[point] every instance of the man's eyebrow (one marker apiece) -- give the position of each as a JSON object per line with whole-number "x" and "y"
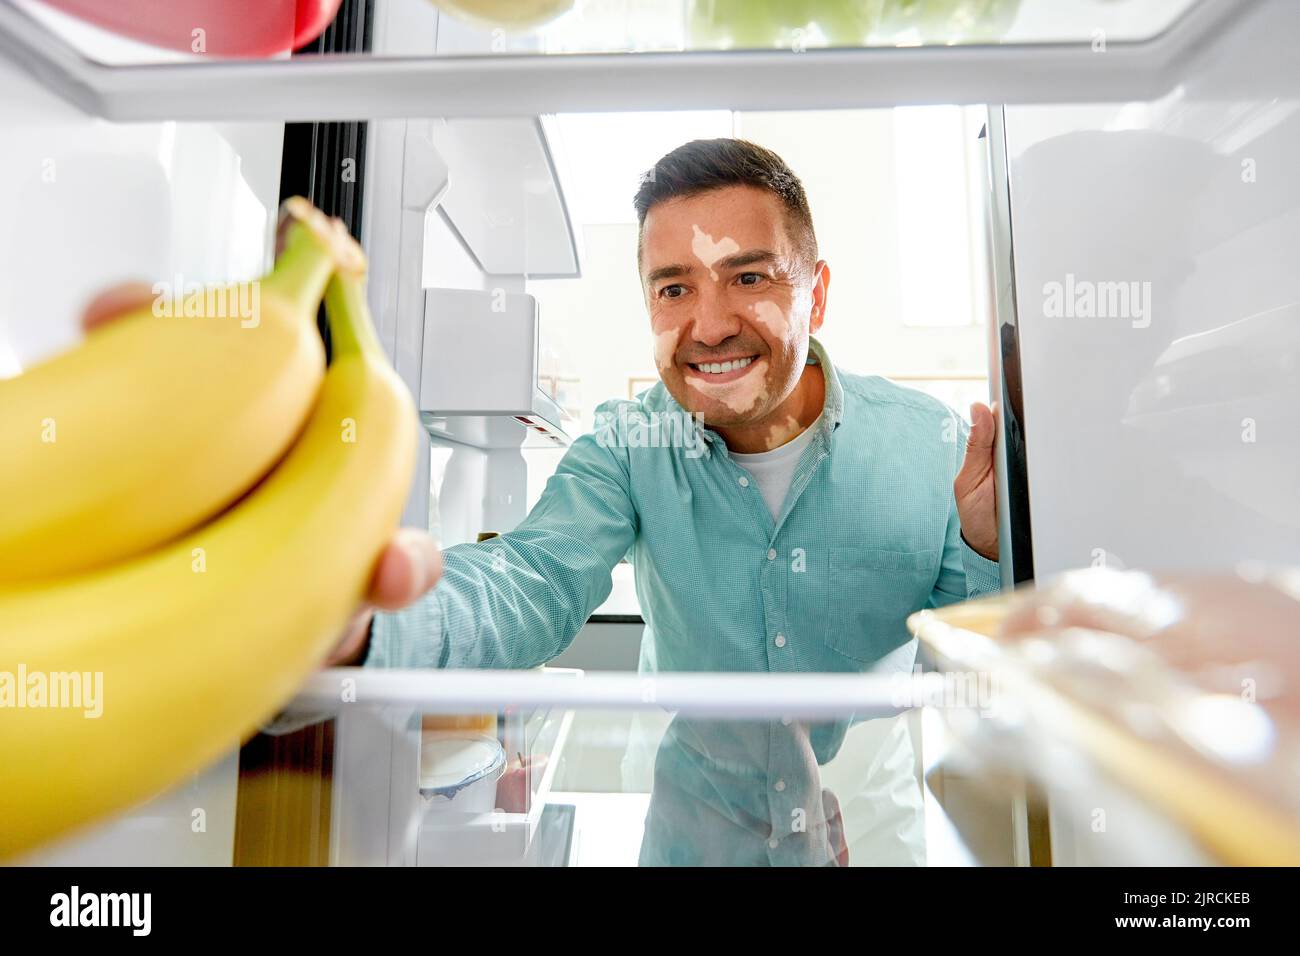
{"x": 674, "y": 271}
{"x": 736, "y": 260}
{"x": 747, "y": 258}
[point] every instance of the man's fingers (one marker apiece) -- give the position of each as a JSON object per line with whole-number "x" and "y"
{"x": 409, "y": 566}
{"x": 352, "y": 648}
{"x": 116, "y": 301}
{"x": 979, "y": 449}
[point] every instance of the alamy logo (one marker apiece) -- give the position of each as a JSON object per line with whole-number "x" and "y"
{"x": 69, "y": 690}
{"x": 635, "y": 429}
{"x": 193, "y": 300}
{"x": 75, "y": 908}
{"x": 1083, "y": 299}
{"x": 952, "y": 690}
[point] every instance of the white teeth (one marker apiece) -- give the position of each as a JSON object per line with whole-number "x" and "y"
{"x": 718, "y": 368}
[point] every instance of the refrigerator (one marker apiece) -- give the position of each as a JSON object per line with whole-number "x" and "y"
{"x": 1138, "y": 226}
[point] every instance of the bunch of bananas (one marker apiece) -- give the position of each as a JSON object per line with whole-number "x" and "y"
{"x": 193, "y": 508}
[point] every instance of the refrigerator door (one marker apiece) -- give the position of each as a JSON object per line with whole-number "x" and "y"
{"x": 1158, "y": 331}
{"x": 1005, "y": 387}
{"x": 1158, "y": 323}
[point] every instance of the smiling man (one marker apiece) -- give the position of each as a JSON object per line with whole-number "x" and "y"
{"x": 805, "y": 513}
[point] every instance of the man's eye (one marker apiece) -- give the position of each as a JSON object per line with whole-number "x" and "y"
{"x": 756, "y": 276}
{"x": 668, "y": 292}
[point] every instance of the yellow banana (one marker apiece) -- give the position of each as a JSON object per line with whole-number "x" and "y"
{"x": 203, "y": 638}
{"x": 158, "y": 422}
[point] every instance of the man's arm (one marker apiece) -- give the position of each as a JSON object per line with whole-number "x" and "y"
{"x": 518, "y": 599}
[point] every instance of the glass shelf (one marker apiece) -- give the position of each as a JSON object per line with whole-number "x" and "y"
{"x": 726, "y": 769}
{"x": 576, "y": 27}
{"x": 727, "y": 695}
{"x": 642, "y": 54}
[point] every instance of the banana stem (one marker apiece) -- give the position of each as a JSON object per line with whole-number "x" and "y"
{"x": 303, "y": 268}
{"x": 351, "y": 330}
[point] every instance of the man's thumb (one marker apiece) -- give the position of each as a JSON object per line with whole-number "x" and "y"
{"x": 982, "y": 430}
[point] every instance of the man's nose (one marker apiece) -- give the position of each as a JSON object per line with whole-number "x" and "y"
{"x": 714, "y": 321}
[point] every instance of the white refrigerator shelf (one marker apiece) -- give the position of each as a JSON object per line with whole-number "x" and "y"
{"x": 364, "y": 87}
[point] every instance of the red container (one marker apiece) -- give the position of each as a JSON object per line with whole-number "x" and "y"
{"x": 230, "y": 28}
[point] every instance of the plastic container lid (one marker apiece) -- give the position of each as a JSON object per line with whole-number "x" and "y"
{"x": 450, "y": 762}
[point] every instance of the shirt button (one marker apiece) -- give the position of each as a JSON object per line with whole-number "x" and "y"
{"x": 744, "y": 482}
{"x": 779, "y": 786}
{"x": 772, "y": 844}
{"x": 771, "y": 554}
{"x": 780, "y": 640}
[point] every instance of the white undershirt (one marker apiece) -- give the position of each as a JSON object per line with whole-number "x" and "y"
{"x": 774, "y": 470}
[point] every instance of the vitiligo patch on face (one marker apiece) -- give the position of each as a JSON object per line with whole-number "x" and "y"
{"x": 708, "y": 251}
{"x": 666, "y": 347}
{"x": 769, "y": 315}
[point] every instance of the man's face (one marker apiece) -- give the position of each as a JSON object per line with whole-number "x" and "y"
{"x": 731, "y": 303}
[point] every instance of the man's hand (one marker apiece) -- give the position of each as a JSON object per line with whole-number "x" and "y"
{"x": 974, "y": 486}
{"x": 408, "y": 567}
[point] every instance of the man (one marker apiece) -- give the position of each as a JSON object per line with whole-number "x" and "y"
{"x": 731, "y": 280}
{"x": 793, "y": 531}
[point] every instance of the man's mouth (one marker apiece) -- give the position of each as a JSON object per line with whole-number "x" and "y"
{"x": 725, "y": 371}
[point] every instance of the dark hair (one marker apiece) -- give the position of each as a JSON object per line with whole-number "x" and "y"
{"x": 705, "y": 164}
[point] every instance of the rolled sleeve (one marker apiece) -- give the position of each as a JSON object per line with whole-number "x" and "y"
{"x": 982, "y": 575}
{"x": 409, "y": 638}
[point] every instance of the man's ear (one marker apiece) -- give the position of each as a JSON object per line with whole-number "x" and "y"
{"x": 821, "y": 286}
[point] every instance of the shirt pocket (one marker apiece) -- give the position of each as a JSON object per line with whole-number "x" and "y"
{"x": 872, "y": 593}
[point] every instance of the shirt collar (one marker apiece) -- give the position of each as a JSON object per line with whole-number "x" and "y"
{"x": 833, "y": 408}
{"x": 832, "y": 404}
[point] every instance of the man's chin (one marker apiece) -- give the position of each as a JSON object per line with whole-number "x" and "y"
{"x": 717, "y": 417}
{"x": 711, "y": 412}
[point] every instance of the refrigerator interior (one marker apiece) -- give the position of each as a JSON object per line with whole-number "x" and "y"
{"x": 1171, "y": 200}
